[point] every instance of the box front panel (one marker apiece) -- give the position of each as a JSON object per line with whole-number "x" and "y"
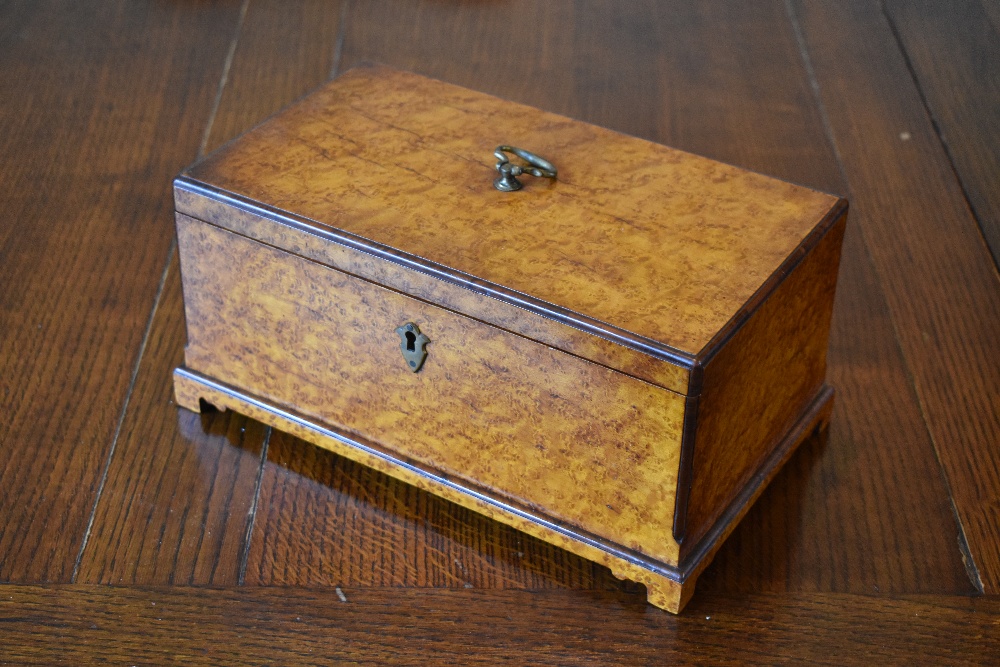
{"x": 311, "y": 244}
{"x": 557, "y": 434}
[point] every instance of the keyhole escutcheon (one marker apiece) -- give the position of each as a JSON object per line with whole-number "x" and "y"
{"x": 413, "y": 345}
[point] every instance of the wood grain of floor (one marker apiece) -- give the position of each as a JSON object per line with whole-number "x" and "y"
{"x": 131, "y": 531}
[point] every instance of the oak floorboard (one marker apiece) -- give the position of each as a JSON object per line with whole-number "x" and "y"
{"x": 868, "y": 510}
{"x": 954, "y": 49}
{"x": 283, "y": 52}
{"x": 940, "y": 282}
{"x": 103, "y": 103}
{"x": 181, "y": 490}
{"x": 251, "y": 625}
{"x": 106, "y": 100}
{"x": 323, "y": 520}
{"x": 863, "y": 511}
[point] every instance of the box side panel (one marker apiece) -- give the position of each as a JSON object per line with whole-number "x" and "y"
{"x": 570, "y": 439}
{"x": 758, "y": 384}
{"x": 315, "y": 243}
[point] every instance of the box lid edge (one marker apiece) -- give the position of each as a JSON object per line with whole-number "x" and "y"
{"x": 185, "y": 184}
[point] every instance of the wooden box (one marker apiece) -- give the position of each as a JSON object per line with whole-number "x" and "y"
{"x": 619, "y": 359}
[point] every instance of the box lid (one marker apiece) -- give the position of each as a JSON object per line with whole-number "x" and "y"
{"x": 638, "y": 256}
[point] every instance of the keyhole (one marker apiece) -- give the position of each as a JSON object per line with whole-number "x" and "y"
{"x": 412, "y": 344}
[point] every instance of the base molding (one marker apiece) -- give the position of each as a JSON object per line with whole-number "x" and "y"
{"x": 668, "y": 587}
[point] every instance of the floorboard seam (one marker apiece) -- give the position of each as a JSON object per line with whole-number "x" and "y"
{"x": 251, "y": 520}
{"x": 156, "y": 302}
{"x": 124, "y": 411}
{"x": 800, "y": 40}
{"x": 230, "y": 56}
{"x": 939, "y": 133}
{"x": 971, "y": 570}
{"x": 963, "y": 545}
{"x": 338, "y": 46}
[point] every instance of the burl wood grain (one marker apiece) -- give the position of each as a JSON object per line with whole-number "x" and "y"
{"x": 101, "y": 112}
{"x": 596, "y": 449}
{"x": 283, "y": 305}
{"x": 759, "y": 383}
{"x": 315, "y": 242}
{"x": 663, "y": 244}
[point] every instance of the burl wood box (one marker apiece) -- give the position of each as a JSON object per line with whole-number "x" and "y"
{"x": 616, "y": 360}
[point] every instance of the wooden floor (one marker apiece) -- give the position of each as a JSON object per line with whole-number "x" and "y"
{"x": 134, "y": 531}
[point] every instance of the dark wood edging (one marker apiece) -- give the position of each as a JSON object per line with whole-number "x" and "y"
{"x": 526, "y": 302}
{"x": 815, "y": 417}
{"x": 770, "y": 285}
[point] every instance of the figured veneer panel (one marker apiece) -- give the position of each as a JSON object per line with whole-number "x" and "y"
{"x": 759, "y": 381}
{"x": 662, "y": 244}
{"x": 580, "y": 442}
{"x": 314, "y": 242}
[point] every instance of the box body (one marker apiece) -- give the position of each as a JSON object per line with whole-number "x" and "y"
{"x": 618, "y": 360}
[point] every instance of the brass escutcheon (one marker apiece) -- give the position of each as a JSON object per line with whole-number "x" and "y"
{"x": 413, "y": 345}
